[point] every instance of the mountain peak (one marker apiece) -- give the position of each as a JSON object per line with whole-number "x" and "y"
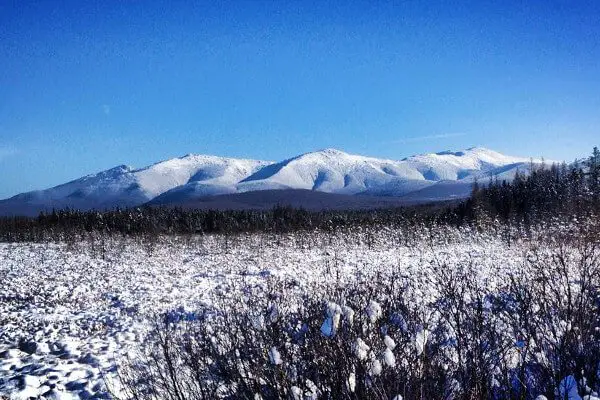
{"x": 329, "y": 151}
{"x": 115, "y": 171}
{"x": 450, "y": 153}
{"x": 471, "y": 150}
{"x": 482, "y": 150}
{"x": 479, "y": 148}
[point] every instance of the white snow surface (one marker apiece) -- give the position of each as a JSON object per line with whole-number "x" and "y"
{"x": 77, "y": 311}
{"x": 430, "y": 176}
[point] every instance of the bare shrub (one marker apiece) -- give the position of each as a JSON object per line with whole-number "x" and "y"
{"x": 449, "y": 333}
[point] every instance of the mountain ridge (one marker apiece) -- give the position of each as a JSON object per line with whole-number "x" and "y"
{"x": 194, "y": 176}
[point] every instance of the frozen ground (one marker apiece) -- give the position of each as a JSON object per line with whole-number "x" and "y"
{"x": 68, "y": 313}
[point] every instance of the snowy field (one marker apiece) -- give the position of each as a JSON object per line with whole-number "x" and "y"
{"x": 69, "y": 313}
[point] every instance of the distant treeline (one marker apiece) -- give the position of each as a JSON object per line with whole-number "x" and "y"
{"x": 547, "y": 192}
{"x": 142, "y": 221}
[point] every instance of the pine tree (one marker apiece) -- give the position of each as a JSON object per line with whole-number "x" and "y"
{"x": 594, "y": 176}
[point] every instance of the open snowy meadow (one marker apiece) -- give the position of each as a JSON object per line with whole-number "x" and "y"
{"x": 75, "y": 317}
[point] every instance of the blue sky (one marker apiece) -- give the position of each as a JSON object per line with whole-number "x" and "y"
{"x": 85, "y": 86}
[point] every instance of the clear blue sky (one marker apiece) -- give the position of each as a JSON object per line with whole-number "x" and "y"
{"x": 87, "y": 85}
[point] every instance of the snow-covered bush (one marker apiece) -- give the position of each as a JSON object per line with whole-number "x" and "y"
{"x": 453, "y": 331}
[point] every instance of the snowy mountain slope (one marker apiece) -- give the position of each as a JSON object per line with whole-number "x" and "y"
{"x": 115, "y": 186}
{"x": 195, "y": 169}
{"x": 124, "y": 187}
{"x": 439, "y": 176}
{"x": 331, "y": 171}
{"x": 334, "y": 171}
{"x": 459, "y": 165}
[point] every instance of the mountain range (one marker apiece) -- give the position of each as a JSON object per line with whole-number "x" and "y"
{"x": 201, "y": 180}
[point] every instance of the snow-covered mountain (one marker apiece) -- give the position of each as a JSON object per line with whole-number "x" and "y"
{"x": 425, "y": 177}
{"x": 124, "y": 186}
{"x": 334, "y": 171}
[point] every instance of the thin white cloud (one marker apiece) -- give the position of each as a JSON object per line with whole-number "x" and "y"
{"x": 429, "y": 137}
{"x": 106, "y": 109}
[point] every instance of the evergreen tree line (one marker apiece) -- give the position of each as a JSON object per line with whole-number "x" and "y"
{"x": 546, "y": 192}
{"x": 558, "y": 191}
{"x": 69, "y": 225}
